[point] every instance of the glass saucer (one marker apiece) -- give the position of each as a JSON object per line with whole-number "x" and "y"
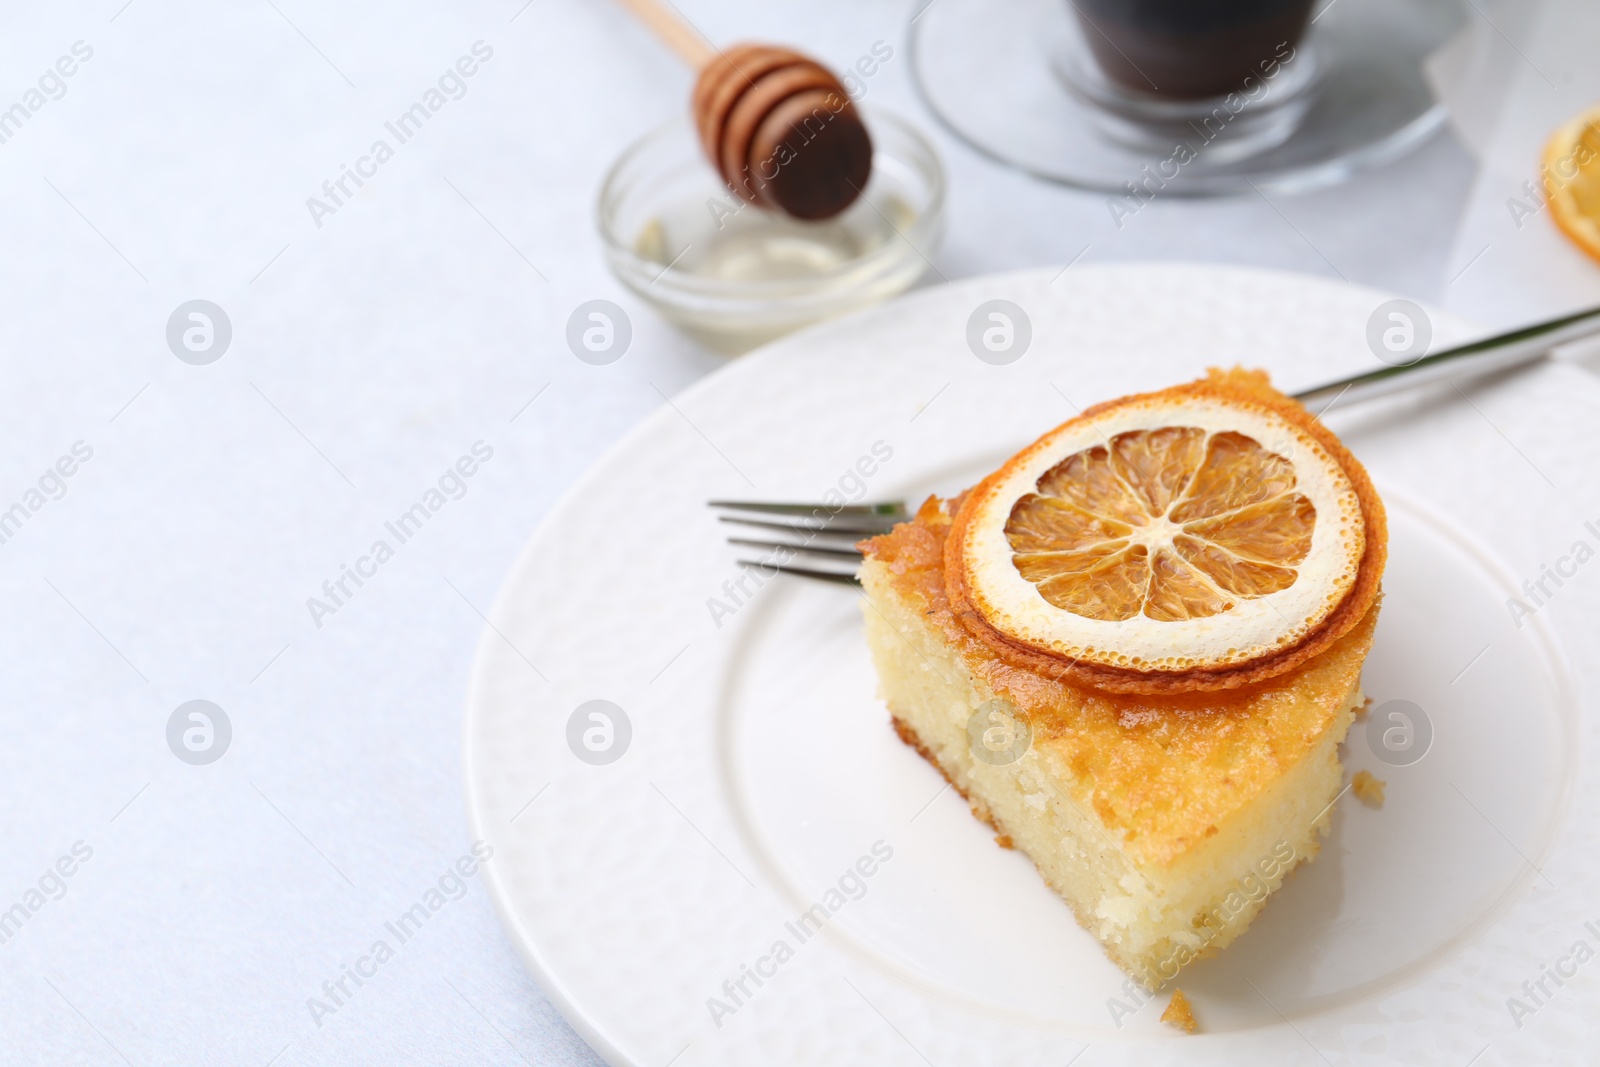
{"x": 1012, "y": 81}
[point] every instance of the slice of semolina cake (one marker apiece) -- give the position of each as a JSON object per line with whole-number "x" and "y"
{"x": 1164, "y": 821}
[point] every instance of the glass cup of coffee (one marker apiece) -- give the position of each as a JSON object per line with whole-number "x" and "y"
{"x": 1228, "y": 77}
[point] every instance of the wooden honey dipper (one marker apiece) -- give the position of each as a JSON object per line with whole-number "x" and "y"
{"x": 778, "y": 127}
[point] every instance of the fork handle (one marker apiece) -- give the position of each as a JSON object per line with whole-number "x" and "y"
{"x": 1501, "y": 352}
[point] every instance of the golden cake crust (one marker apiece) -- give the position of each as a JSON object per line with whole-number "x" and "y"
{"x": 1166, "y": 769}
{"x": 1238, "y": 384}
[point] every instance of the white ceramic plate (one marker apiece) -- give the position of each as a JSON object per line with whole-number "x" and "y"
{"x": 757, "y": 774}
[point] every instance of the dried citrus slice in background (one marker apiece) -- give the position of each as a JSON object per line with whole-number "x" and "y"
{"x": 1572, "y": 180}
{"x": 1202, "y": 537}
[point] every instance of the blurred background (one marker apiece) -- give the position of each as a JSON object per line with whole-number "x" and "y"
{"x": 361, "y": 348}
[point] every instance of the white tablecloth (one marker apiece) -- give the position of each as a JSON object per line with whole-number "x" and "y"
{"x": 211, "y": 911}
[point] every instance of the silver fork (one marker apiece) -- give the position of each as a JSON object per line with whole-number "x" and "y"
{"x": 824, "y": 537}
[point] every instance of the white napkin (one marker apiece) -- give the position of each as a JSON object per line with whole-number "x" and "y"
{"x": 1517, "y": 71}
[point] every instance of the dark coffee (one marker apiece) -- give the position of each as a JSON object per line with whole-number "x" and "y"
{"x": 1186, "y": 49}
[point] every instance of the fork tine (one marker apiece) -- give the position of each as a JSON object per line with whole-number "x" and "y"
{"x": 816, "y": 550}
{"x": 829, "y": 532}
{"x": 895, "y": 508}
{"x": 854, "y": 525}
{"x": 843, "y": 577}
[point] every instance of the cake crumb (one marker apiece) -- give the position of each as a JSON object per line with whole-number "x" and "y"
{"x": 1361, "y": 711}
{"x": 1368, "y": 789}
{"x": 1004, "y": 841}
{"x": 1179, "y": 1013}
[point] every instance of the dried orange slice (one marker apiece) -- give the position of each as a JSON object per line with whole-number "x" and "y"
{"x": 1572, "y": 180}
{"x": 1203, "y": 537}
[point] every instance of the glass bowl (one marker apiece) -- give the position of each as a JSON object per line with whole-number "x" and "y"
{"x": 735, "y": 275}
